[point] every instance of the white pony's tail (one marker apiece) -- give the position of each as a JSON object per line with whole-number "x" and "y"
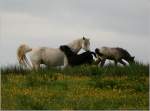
{"x": 21, "y": 54}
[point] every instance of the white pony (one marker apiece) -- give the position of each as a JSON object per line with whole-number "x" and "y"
{"x": 49, "y": 56}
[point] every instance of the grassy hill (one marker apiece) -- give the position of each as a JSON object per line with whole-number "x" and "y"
{"x": 82, "y": 87}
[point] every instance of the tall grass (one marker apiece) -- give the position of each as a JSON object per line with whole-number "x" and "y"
{"x": 133, "y": 69}
{"x": 80, "y": 87}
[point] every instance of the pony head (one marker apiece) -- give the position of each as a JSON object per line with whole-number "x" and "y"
{"x": 82, "y": 43}
{"x": 131, "y": 59}
{"x": 85, "y": 44}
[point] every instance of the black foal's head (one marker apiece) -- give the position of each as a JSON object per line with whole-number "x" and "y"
{"x": 67, "y": 50}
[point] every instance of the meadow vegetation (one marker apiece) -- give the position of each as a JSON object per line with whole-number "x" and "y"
{"x": 80, "y": 87}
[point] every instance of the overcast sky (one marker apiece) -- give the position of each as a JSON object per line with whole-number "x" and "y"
{"x": 122, "y": 23}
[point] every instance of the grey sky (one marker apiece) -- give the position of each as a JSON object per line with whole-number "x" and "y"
{"x": 123, "y": 23}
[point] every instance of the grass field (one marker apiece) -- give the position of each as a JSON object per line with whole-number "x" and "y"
{"x": 82, "y": 87}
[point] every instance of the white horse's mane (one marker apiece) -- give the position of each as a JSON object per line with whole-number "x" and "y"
{"x": 74, "y": 44}
{"x": 77, "y": 44}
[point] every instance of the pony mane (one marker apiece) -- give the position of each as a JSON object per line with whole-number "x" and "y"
{"x": 76, "y": 45}
{"x": 67, "y": 50}
{"x": 74, "y": 42}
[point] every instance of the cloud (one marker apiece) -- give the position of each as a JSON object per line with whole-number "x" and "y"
{"x": 122, "y": 16}
{"x": 123, "y": 23}
{"x": 23, "y": 25}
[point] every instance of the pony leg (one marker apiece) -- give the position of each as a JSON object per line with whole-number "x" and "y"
{"x": 27, "y": 62}
{"x": 23, "y": 63}
{"x": 65, "y": 62}
{"x": 103, "y": 62}
{"x": 122, "y": 62}
{"x": 36, "y": 66}
{"x": 115, "y": 62}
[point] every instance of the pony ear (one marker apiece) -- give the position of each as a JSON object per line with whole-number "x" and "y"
{"x": 83, "y": 38}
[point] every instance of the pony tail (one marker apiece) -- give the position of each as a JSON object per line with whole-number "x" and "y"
{"x": 21, "y": 51}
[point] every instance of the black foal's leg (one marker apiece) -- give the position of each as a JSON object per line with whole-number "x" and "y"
{"x": 90, "y": 62}
{"x": 103, "y": 62}
{"x": 122, "y": 62}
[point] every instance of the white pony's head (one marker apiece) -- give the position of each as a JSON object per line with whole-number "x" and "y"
{"x": 85, "y": 44}
{"x": 82, "y": 43}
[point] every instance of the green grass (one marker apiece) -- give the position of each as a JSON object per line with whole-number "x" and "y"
{"x": 81, "y": 87}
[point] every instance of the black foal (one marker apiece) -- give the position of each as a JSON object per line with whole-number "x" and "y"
{"x": 77, "y": 59}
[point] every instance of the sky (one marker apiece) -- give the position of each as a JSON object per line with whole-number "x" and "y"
{"x": 51, "y": 23}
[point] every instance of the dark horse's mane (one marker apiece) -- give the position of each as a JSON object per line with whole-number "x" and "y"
{"x": 124, "y": 52}
{"x": 67, "y": 50}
